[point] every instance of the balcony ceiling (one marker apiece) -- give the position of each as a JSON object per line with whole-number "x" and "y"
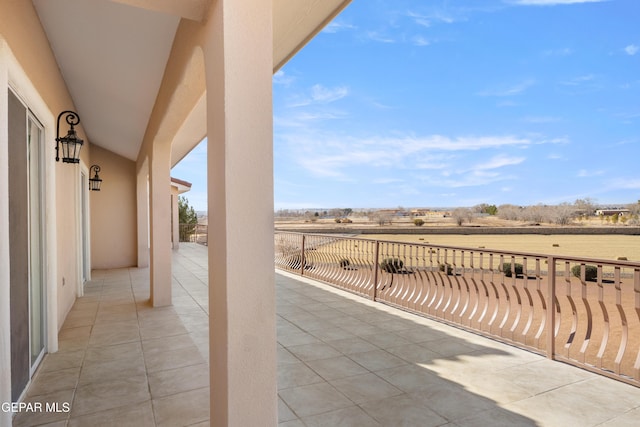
{"x": 112, "y": 55}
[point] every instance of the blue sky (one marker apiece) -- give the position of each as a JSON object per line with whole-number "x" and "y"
{"x": 454, "y": 103}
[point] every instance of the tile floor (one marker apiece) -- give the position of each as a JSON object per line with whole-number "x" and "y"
{"x": 342, "y": 361}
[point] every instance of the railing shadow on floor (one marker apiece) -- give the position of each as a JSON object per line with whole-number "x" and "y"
{"x": 436, "y": 374}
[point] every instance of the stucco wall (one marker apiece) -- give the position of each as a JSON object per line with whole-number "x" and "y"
{"x": 41, "y": 86}
{"x": 113, "y": 212}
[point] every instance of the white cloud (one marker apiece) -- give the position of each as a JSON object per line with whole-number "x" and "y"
{"x": 576, "y": 81}
{"x": 420, "y": 41}
{"x": 325, "y": 95}
{"x": 558, "y": 52}
{"x": 498, "y": 162}
{"x": 303, "y": 119}
{"x": 336, "y": 26}
{"x": 632, "y": 49}
{"x": 376, "y": 36}
{"x": 387, "y": 181}
{"x": 510, "y": 90}
{"x": 336, "y": 156}
{"x": 318, "y": 95}
{"x": 584, "y": 173}
{"x": 541, "y": 119}
{"x": 280, "y": 78}
{"x": 436, "y": 15}
{"x": 422, "y": 20}
{"x": 551, "y": 2}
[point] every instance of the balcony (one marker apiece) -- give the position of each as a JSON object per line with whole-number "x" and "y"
{"x": 342, "y": 360}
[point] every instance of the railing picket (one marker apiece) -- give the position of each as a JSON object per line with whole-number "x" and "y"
{"x": 623, "y": 320}
{"x": 551, "y": 307}
{"x": 636, "y": 292}
{"x": 605, "y": 319}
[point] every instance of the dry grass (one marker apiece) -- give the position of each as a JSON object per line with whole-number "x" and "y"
{"x": 590, "y": 246}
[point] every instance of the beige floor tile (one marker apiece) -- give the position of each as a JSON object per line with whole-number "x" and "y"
{"x": 284, "y": 413}
{"x": 336, "y": 367}
{"x": 313, "y": 351}
{"x": 57, "y": 361}
{"x": 55, "y": 424}
{"x": 164, "y": 328}
{"x": 420, "y": 334}
{"x": 171, "y": 359}
{"x": 296, "y": 338}
{"x": 110, "y": 317}
{"x": 165, "y": 383}
{"x": 493, "y": 387}
{"x": 386, "y": 340}
{"x": 163, "y": 317}
{"x": 296, "y": 374}
{"x": 77, "y": 332}
{"x": 314, "y": 399}
{"x": 414, "y": 353}
{"x": 50, "y": 381}
{"x": 113, "y": 369}
{"x": 586, "y": 403}
{"x": 113, "y": 352}
{"x": 332, "y": 334}
{"x": 411, "y": 378}
{"x": 629, "y": 419}
{"x": 377, "y": 360}
{"x": 72, "y": 344}
{"x": 347, "y": 417}
{"x": 364, "y": 388}
{"x": 85, "y": 304}
{"x": 160, "y": 345}
{"x": 549, "y": 375}
{"x": 286, "y": 357}
{"x": 182, "y": 409}
{"x": 79, "y": 319}
{"x": 104, "y": 395}
{"x": 139, "y": 415}
{"x": 453, "y": 401}
{"x": 114, "y": 333}
{"x": 403, "y": 411}
{"x": 499, "y": 417}
{"x": 352, "y": 345}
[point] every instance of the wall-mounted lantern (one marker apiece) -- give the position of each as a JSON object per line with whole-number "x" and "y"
{"x": 70, "y": 144}
{"x": 95, "y": 182}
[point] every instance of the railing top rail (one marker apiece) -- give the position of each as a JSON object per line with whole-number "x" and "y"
{"x": 582, "y": 260}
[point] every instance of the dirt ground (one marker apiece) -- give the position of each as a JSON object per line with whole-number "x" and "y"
{"x": 429, "y": 221}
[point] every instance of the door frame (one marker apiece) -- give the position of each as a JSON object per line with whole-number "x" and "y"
{"x": 84, "y": 228}
{"x": 41, "y": 214}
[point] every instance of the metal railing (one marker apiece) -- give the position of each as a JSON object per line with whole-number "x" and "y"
{"x": 194, "y": 233}
{"x": 585, "y": 312}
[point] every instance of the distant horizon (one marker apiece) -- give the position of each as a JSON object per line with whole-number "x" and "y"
{"x": 482, "y": 101}
{"x": 434, "y": 208}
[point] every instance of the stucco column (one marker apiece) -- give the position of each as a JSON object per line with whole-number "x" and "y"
{"x": 238, "y": 69}
{"x": 160, "y": 224}
{"x": 5, "y": 320}
{"x": 175, "y": 219}
{"x": 142, "y": 201}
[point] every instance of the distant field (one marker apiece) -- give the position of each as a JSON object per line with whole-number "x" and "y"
{"x": 590, "y": 246}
